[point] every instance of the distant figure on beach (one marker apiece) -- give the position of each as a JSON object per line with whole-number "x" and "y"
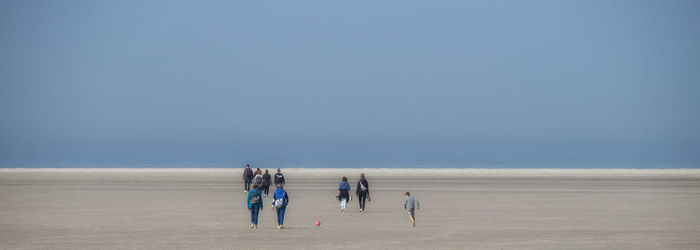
{"x": 280, "y": 204}
{"x": 266, "y": 183}
{"x": 254, "y": 205}
{"x": 343, "y": 194}
{"x": 411, "y": 204}
{"x": 247, "y": 177}
{"x": 279, "y": 178}
{"x": 362, "y": 191}
{"x": 257, "y": 179}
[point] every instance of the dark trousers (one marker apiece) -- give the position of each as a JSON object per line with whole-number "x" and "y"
{"x": 246, "y": 185}
{"x": 266, "y": 189}
{"x": 254, "y": 215}
{"x": 361, "y": 198}
{"x": 280, "y": 215}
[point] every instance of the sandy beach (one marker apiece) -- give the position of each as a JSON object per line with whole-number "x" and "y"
{"x": 460, "y": 209}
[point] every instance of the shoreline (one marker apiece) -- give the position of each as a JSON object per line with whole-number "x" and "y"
{"x": 466, "y": 172}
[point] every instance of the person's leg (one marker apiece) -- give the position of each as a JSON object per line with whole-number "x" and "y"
{"x": 364, "y": 201}
{"x": 343, "y": 204}
{"x": 252, "y": 217}
{"x": 254, "y": 213}
{"x": 280, "y": 215}
{"x": 361, "y": 199}
{"x": 277, "y": 211}
{"x": 413, "y": 217}
{"x": 247, "y": 185}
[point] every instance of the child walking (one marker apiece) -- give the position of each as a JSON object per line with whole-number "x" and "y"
{"x": 411, "y": 204}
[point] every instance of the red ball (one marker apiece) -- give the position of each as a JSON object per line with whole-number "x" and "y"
{"x": 318, "y": 223}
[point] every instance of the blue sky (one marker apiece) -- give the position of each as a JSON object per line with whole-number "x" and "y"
{"x": 301, "y": 82}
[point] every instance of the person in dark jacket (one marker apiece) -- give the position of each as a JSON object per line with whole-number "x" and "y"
{"x": 254, "y": 205}
{"x": 266, "y": 183}
{"x": 281, "y": 195}
{"x": 279, "y": 178}
{"x": 247, "y": 177}
{"x": 362, "y": 191}
{"x": 343, "y": 194}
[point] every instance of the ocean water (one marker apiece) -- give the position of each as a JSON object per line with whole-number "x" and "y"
{"x": 133, "y": 163}
{"x": 359, "y": 157}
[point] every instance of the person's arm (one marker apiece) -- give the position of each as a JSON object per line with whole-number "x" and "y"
{"x": 261, "y": 203}
{"x": 248, "y": 200}
{"x": 367, "y": 186}
{"x": 272, "y": 205}
{"x": 417, "y": 204}
{"x": 405, "y": 203}
{"x": 286, "y": 197}
{"x": 357, "y": 190}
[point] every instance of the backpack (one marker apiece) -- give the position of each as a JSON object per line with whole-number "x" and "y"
{"x": 258, "y": 180}
{"x": 280, "y": 202}
{"x": 362, "y": 186}
{"x": 255, "y": 199}
{"x": 248, "y": 173}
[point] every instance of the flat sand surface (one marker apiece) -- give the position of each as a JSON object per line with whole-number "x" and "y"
{"x": 460, "y": 209}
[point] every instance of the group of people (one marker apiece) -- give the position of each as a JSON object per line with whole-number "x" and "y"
{"x": 259, "y": 179}
{"x": 362, "y": 192}
{"x": 261, "y": 187}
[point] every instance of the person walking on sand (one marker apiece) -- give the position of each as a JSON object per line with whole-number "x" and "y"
{"x": 343, "y": 194}
{"x": 266, "y": 183}
{"x": 247, "y": 177}
{"x": 362, "y": 191}
{"x": 254, "y": 206}
{"x": 279, "y": 178}
{"x": 280, "y": 204}
{"x": 411, "y": 204}
{"x": 257, "y": 179}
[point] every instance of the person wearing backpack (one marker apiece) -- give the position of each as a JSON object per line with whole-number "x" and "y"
{"x": 279, "y": 178}
{"x": 247, "y": 177}
{"x": 280, "y": 204}
{"x": 362, "y": 191}
{"x": 257, "y": 180}
{"x": 266, "y": 183}
{"x": 254, "y": 206}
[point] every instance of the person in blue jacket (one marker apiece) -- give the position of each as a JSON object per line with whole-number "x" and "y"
{"x": 254, "y": 205}
{"x": 280, "y": 204}
{"x": 343, "y": 194}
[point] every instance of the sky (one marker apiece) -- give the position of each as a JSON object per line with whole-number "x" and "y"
{"x": 594, "y": 83}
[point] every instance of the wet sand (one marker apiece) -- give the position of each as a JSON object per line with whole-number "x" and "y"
{"x": 482, "y": 209}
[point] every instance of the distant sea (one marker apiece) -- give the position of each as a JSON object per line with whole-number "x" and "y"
{"x": 275, "y": 164}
